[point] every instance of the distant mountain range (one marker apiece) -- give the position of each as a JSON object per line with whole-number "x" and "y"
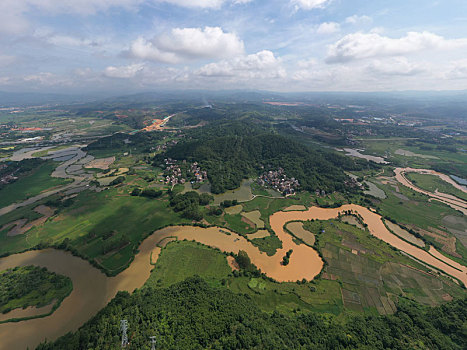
{"x": 437, "y": 104}
{"x": 26, "y": 99}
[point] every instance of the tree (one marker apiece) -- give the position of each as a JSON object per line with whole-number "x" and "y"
{"x": 205, "y": 198}
{"x": 136, "y": 191}
{"x": 117, "y": 181}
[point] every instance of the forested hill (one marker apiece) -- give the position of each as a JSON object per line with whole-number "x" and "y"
{"x": 230, "y": 158}
{"x": 192, "y": 315}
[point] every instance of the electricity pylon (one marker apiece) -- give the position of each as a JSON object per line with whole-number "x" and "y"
{"x": 124, "y": 329}
{"x": 153, "y": 342}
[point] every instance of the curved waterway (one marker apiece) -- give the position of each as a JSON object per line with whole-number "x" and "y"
{"x": 62, "y": 171}
{"x": 452, "y": 201}
{"x": 93, "y": 290}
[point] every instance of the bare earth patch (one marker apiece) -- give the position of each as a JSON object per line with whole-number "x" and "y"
{"x": 164, "y": 241}
{"x": 405, "y": 235}
{"x": 297, "y": 229}
{"x": 122, "y": 171}
{"x": 447, "y": 297}
{"x": 233, "y": 263}
{"x": 237, "y": 209}
{"x": 15, "y": 227}
{"x": 248, "y": 222}
{"x": 295, "y": 207}
{"x": 259, "y": 234}
{"x": 101, "y": 163}
{"x": 351, "y": 220}
{"x": 255, "y": 217}
{"x": 406, "y": 153}
{"x": 22, "y": 226}
{"x": 448, "y": 242}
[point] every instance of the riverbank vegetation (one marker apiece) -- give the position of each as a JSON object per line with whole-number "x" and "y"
{"x": 26, "y": 286}
{"x": 182, "y": 259}
{"x": 365, "y": 268}
{"x": 436, "y": 223}
{"x": 193, "y": 315}
{"x": 432, "y": 183}
{"x": 33, "y": 177}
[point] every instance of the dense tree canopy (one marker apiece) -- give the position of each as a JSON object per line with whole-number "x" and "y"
{"x": 192, "y": 315}
{"x": 230, "y": 158}
{"x": 31, "y": 286}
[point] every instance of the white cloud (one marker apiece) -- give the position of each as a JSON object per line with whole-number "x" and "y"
{"x": 5, "y": 80}
{"x": 457, "y": 70}
{"x": 360, "y": 45}
{"x": 83, "y": 7}
{"x": 395, "y": 66}
{"x": 328, "y": 28}
{"x": 64, "y": 40}
{"x": 47, "y": 79}
{"x": 206, "y": 4}
{"x": 259, "y": 65}
{"x": 146, "y": 50}
{"x": 355, "y": 19}
{"x": 50, "y": 37}
{"x": 13, "y": 12}
{"x": 188, "y": 43}
{"x": 310, "y": 4}
{"x": 306, "y": 63}
{"x": 123, "y": 72}
{"x": 11, "y": 16}
{"x": 6, "y": 60}
{"x": 196, "y": 3}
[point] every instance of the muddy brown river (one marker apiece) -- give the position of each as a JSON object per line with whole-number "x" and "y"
{"x": 93, "y": 290}
{"x": 452, "y": 201}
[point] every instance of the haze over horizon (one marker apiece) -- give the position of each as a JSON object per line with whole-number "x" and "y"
{"x": 126, "y": 46}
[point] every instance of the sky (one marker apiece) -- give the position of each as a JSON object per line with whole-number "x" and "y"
{"x": 87, "y": 46}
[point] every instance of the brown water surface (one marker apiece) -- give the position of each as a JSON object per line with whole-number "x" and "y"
{"x": 30, "y": 311}
{"x": 92, "y": 290}
{"x": 452, "y": 201}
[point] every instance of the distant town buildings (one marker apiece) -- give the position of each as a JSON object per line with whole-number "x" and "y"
{"x": 176, "y": 173}
{"x": 278, "y": 180}
{"x": 166, "y": 145}
{"x": 6, "y": 178}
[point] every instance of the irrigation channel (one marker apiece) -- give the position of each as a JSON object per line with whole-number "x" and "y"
{"x": 93, "y": 290}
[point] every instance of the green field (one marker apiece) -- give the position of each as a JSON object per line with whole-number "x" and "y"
{"x": 31, "y": 185}
{"x": 269, "y": 244}
{"x": 182, "y": 259}
{"x": 408, "y": 207}
{"x": 372, "y": 274}
{"x": 414, "y": 210}
{"x": 432, "y": 156}
{"x": 96, "y": 221}
{"x": 26, "y": 286}
{"x": 433, "y": 182}
{"x": 362, "y": 282}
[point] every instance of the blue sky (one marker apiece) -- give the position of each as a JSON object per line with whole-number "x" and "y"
{"x": 282, "y": 45}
